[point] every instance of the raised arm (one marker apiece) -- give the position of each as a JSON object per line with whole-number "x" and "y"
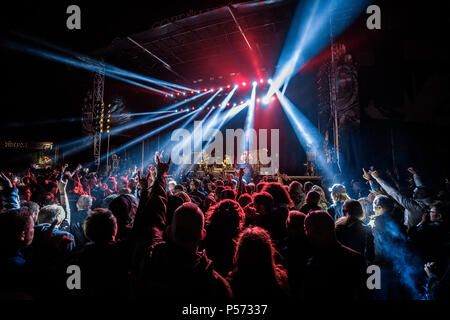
{"x": 240, "y": 187}
{"x": 150, "y": 219}
{"x": 10, "y": 194}
{"x": 406, "y": 202}
{"x": 368, "y": 177}
{"x": 417, "y": 179}
{"x": 62, "y": 185}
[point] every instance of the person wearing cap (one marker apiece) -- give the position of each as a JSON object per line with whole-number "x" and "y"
{"x": 171, "y": 187}
{"x": 416, "y": 206}
{"x": 338, "y": 195}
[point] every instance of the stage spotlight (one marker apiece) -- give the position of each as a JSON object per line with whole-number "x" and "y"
{"x": 236, "y": 86}
{"x": 265, "y": 100}
{"x": 269, "y": 81}
{"x": 244, "y": 84}
{"x": 241, "y": 102}
{"x": 273, "y": 98}
{"x": 176, "y": 110}
{"x": 254, "y": 83}
{"x": 228, "y": 86}
{"x": 171, "y": 95}
{"x": 193, "y": 108}
{"x": 261, "y": 80}
{"x": 184, "y": 93}
{"x": 234, "y": 104}
{"x": 208, "y": 108}
{"x": 258, "y": 100}
{"x": 205, "y": 89}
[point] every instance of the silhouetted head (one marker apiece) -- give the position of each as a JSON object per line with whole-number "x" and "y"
{"x": 313, "y": 198}
{"x": 187, "y": 227}
{"x": 353, "y": 209}
{"x": 254, "y": 252}
{"x": 382, "y": 204}
{"x": 16, "y": 228}
{"x": 100, "y": 226}
{"x": 263, "y": 202}
{"x": 319, "y": 229}
{"x": 225, "y": 219}
{"x": 245, "y": 199}
{"x": 295, "y": 224}
{"x": 279, "y": 194}
{"x": 307, "y": 186}
{"x": 124, "y": 209}
{"x": 227, "y": 193}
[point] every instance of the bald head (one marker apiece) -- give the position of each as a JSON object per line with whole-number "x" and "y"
{"x": 187, "y": 225}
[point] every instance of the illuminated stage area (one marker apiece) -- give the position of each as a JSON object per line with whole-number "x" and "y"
{"x": 266, "y": 149}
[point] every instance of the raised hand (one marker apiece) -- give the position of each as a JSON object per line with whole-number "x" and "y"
{"x": 366, "y": 175}
{"x": 374, "y": 174}
{"x": 412, "y": 170}
{"x": 162, "y": 167}
{"x": 5, "y": 182}
{"x": 430, "y": 268}
{"x": 240, "y": 173}
{"x": 144, "y": 181}
{"x": 62, "y": 185}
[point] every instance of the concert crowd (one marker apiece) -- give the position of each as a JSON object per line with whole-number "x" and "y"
{"x": 139, "y": 235}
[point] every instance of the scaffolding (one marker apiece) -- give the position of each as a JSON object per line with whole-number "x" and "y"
{"x": 97, "y": 105}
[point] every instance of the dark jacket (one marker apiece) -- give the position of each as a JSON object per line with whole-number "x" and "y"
{"x": 335, "y": 210}
{"x": 10, "y": 199}
{"x": 15, "y": 276}
{"x": 336, "y": 273}
{"x": 76, "y": 226}
{"x": 357, "y": 236}
{"x": 104, "y": 270}
{"x": 46, "y": 261}
{"x": 163, "y": 269}
{"x": 307, "y": 207}
{"x": 221, "y": 251}
{"x": 275, "y": 223}
{"x": 432, "y": 240}
{"x": 258, "y": 285}
{"x": 171, "y": 271}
